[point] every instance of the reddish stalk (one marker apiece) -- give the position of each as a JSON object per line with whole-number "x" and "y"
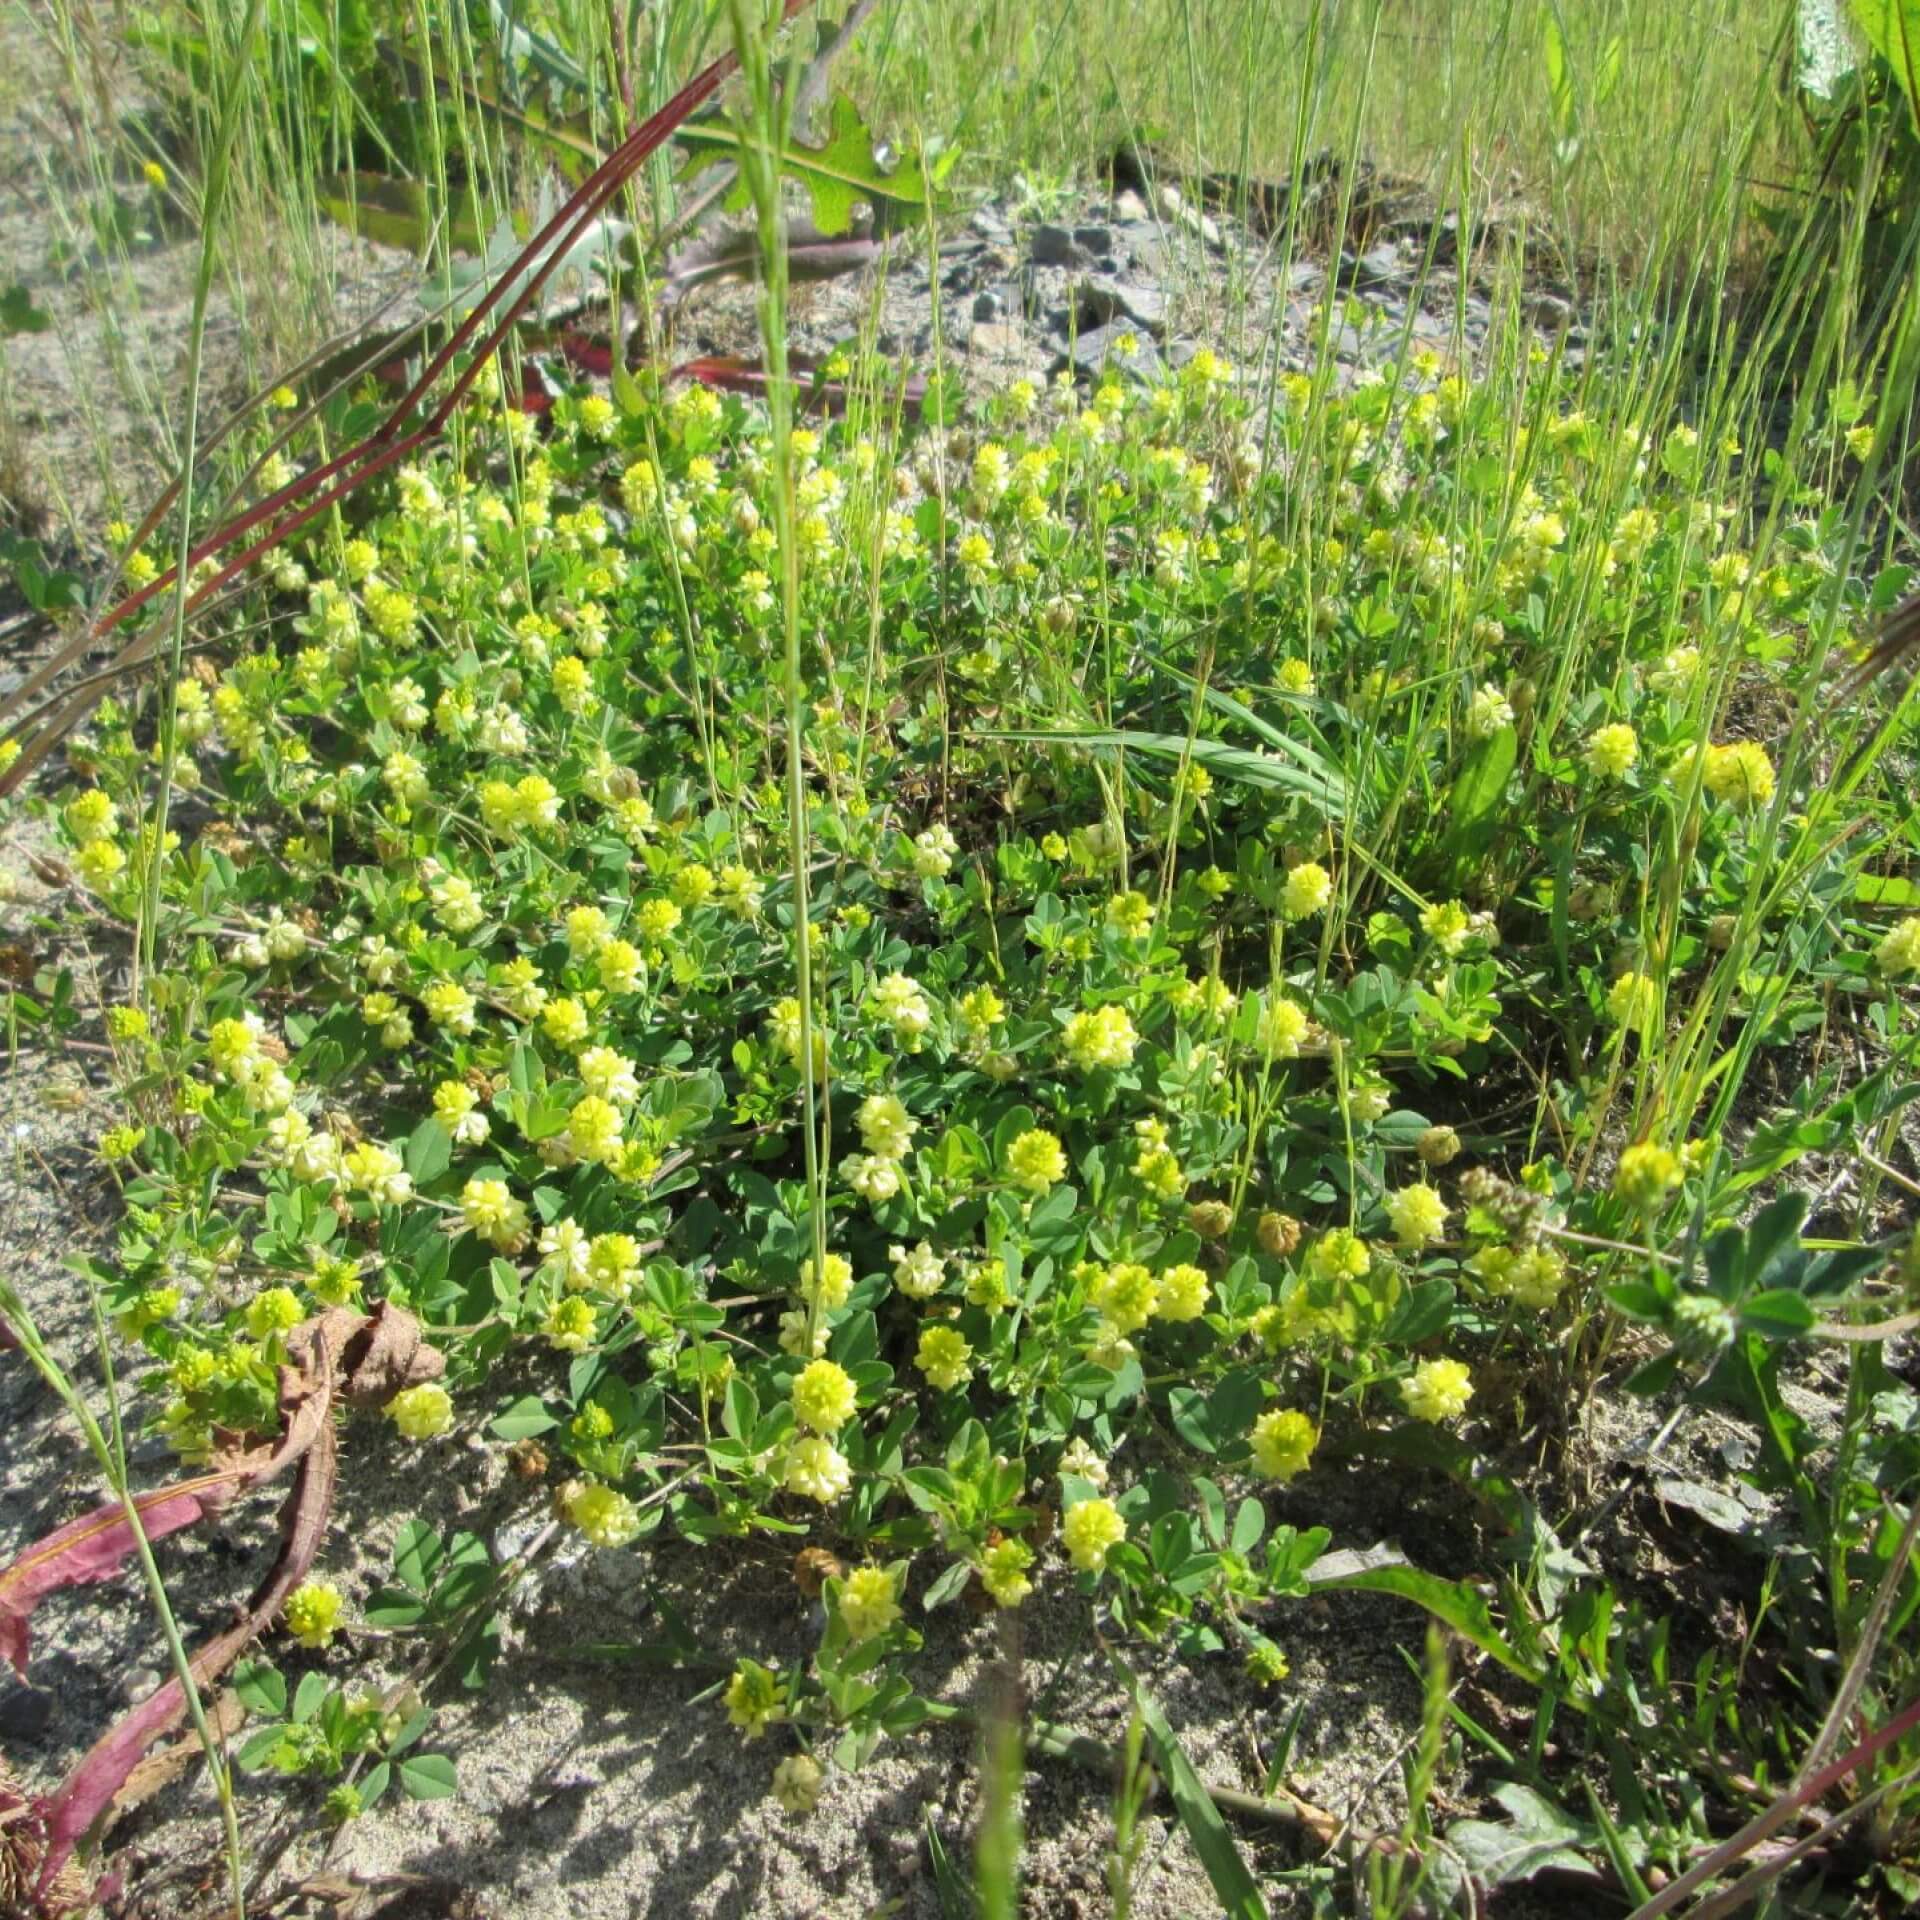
{"x": 351, "y": 469}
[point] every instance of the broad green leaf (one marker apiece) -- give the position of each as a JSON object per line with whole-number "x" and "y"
{"x": 1536, "y": 1837}
{"x": 261, "y": 1687}
{"x": 1479, "y": 790}
{"x": 428, "y": 1776}
{"x": 308, "y": 1696}
{"x": 1892, "y": 28}
{"x": 525, "y": 1418}
{"x": 18, "y": 314}
{"x": 429, "y": 1152}
{"x": 836, "y": 175}
{"x": 418, "y": 1555}
{"x": 1778, "y": 1314}
{"x": 399, "y": 213}
{"x": 1452, "y": 1602}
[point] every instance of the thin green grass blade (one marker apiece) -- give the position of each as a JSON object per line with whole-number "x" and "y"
{"x": 1238, "y": 1892}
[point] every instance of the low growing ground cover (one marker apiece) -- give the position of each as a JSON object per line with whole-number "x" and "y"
{"x": 1301, "y": 883}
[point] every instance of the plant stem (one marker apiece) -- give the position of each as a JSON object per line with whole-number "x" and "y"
{"x": 111, "y": 1455}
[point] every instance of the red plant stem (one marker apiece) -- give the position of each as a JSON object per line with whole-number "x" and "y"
{"x": 1771, "y": 1819}
{"x": 370, "y": 456}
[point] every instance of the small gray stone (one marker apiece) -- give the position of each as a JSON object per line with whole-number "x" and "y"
{"x": 1128, "y": 207}
{"x": 25, "y": 1713}
{"x": 1174, "y": 206}
{"x": 1548, "y": 310}
{"x": 1103, "y": 301}
{"x": 1051, "y": 246}
{"x": 1094, "y": 239}
{"x": 989, "y": 305}
{"x": 1096, "y": 351}
{"x": 996, "y": 339}
{"x": 1379, "y": 266}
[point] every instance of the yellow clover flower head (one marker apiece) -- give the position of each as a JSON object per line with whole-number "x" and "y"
{"x": 944, "y": 1356}
{"x": 1417, "y": 1215}
{"x": 1341, "y": 1255}
{"x": 1740, "y": 774}
{"x": 868, "y": 1602}
{"x": 313, "y": 1613}
{"x": 1437, "y": 1390}
{"x": 1003, "y": 1572}
{"x": 603, "y": 1514}
{"x": 755, "y": 1698}
{"x": 1103, "y": 1038}
{"x": 421, "y": 1412}
{"x": 1309, "y": 887}
{"x": 1899, "y": 950}
{"x": 1036, "y": 1161}
{"x": 1632, "y": 1000}
{"x": 823, "y": 1397}
{"x": 817, "y": 1469}
{"x": 1647, "y": 1173}
{"x": 1283, "y": 1442}
{"x": 1611, "y": 751}
{"x": 1091, "y": 1530}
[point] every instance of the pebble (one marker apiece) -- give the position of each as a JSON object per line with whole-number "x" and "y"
{"x": 1096, "y": 351}
{"x": 25, "y": 1713}
{"x": 1051, "y": 246}
{"x": 1379, "y": 266}
{"x": 1102, "y": 301}
{"x": 1174, "y": 206}
{"x": 998, "y": 340}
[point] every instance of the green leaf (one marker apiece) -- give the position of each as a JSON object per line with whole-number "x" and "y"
{"x": 1452, "y": 1602}
{"x": 1249, "y": 1523}
{"x": 1228, "y": 763}
{"x": 258, "y": 1748}
{"x": 1187, "y": 1408}
{"x": 399, "y": 213}
{"x": 45, "y": 590}
{"x": 1553, "y": 55}
{"x": 1537, "y": 1837}
{"x": 949, "y": 1586}
{"x": 836, "y": 176}
{"x": 394, "y": 1607}
{"x": 428, "y": 1776}
{"x": 429, "y": 1152}
{"x": 1234, "y": 1887}
{"x": 525, "y": 1418}
{"x": 1892, "y": 28}
{"x": 261, "y": 1688}
{"x": 1778, "y": 1314}
{"x": 308, "y": 1696}
{"x": 1479, "y": 790}
{"x": 417, "y": 1556}
{"x": 18, "y": 314}
{"x": 1419, "y": 1314}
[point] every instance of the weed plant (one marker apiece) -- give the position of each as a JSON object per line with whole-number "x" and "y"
{"x": 985, "y": 999}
